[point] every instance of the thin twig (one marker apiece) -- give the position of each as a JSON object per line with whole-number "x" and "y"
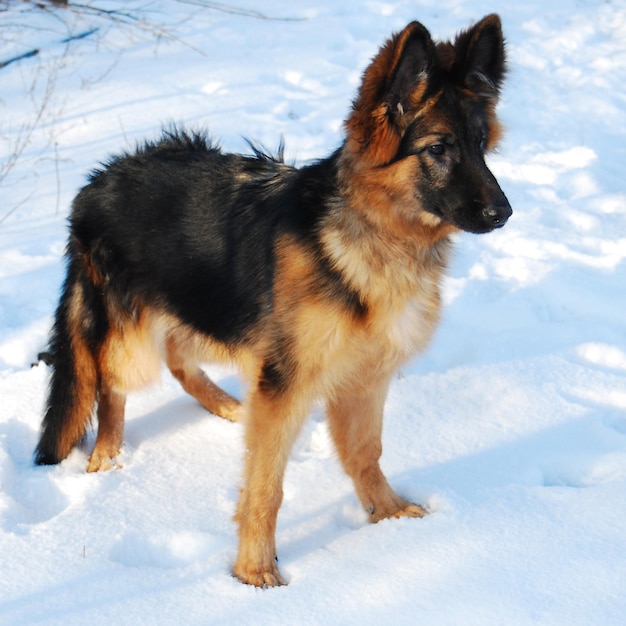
{"x": 19, "y": 57}
{"x": 16, "y": 207}
{"x": 227, "y": 8}
{"x": 58, "y": 176}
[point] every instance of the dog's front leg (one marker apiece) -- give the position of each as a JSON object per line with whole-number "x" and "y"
{"x": 272, "y": 425}
{"x": 355, "y": 417}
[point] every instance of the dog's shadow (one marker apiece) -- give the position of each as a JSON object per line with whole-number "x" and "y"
{"x": 173, "y": 415}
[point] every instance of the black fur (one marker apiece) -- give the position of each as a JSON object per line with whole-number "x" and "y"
{"x": 191, "y": 230}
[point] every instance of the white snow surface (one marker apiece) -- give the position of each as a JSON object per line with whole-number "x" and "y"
{"x": 511, "y": 428}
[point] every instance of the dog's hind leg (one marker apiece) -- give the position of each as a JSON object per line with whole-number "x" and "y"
{"x": 198, "y": 385}
{"x": 128, "y": 359}
{"x": 110, "y": 430}
{"x": 355, "y": 418}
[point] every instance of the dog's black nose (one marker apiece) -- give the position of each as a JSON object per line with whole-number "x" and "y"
{"x": 496, "y": 215}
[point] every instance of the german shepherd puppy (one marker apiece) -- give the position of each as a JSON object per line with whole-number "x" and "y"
{"x": 318, "y": 282}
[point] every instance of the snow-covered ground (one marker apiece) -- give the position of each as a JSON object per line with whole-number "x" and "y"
{"x": 511, "y": 428}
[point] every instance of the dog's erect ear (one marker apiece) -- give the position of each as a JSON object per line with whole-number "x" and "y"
{"x": 417, "y": 57}
{"x": 392, "y": 86}
{"x": 480, "y": 55}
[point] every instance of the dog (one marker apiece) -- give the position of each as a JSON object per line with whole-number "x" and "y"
{"x": 318, "y": 282}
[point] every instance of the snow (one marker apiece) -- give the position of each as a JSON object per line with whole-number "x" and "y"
{"x": 511, "y": 428}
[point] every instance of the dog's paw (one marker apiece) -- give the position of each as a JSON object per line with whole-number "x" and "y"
{"x": 264, "y": 578}
{"x": 395, "y": 508}
{"x": 412, "y": 510}
{"x": 102, "y": 462}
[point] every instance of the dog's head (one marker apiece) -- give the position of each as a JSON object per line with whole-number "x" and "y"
{"x": 421, "y": 125}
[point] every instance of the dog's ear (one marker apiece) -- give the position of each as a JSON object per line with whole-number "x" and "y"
{"x": 392, "y": 86}
{"x": 480, "y": 55}
{"x": 416, "y": 59}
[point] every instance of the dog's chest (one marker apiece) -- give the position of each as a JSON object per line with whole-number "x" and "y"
{"x": 408, "y": 328}
{"x": 399, "y": 284}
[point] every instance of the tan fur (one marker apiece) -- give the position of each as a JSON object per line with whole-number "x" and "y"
{"x": 130, "y": 358}
{"x": 110, "y": 430}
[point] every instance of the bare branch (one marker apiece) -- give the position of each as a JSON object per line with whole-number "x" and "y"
{"x": 227, "y": 8}
{"x": 72, "y": 22}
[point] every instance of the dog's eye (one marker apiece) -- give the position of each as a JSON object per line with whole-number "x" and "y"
{"x": 437, "y": 149}
{"x": 483, "y": 144}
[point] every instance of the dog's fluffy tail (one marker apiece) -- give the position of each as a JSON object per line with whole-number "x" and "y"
{"x": 74, "y": 382}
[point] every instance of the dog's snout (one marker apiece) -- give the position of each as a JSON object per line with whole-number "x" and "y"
{"x": 497, "y": 214}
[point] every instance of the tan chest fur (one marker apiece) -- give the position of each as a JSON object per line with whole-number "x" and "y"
{"x": 399, "y": 284}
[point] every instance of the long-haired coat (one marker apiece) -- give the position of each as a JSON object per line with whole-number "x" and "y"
{"x": 318, "y": 282}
